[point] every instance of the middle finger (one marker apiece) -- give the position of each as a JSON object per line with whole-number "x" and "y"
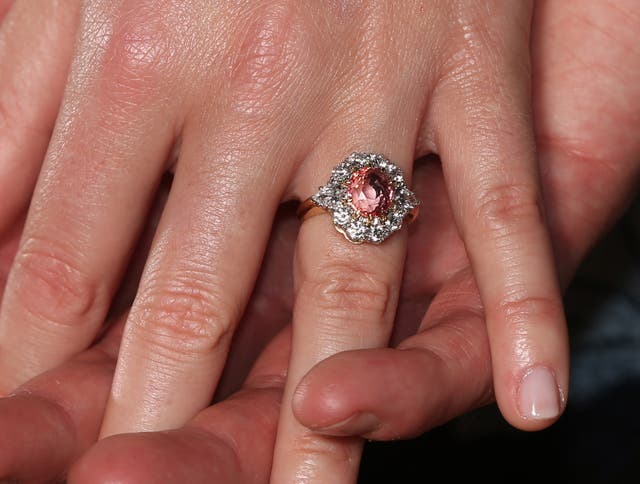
{"x": 236, "y": 158}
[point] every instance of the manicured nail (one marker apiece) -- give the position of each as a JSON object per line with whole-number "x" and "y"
{"x": 358, "y": 424}
{"x": 540, "y": 397}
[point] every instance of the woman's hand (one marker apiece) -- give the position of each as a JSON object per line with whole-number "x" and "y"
{"x": 590, "y": 171}
{"x": 573, "y": 180}
{"x": 262, "y": 102}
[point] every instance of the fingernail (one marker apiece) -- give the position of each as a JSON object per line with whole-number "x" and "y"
{"x": 539, "y": 396}
{"x": 358, "y": 424}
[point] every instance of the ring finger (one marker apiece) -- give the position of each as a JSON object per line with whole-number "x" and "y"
{"x": 346, "y": 294}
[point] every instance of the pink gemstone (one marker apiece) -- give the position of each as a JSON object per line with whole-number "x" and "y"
{"x": 371, "y": 191}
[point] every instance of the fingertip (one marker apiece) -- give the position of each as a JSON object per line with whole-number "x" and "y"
{"x": 538, "y": 399}
{"x": 539, "y": 395}
{"x": 320, "y": 400}
{"x": 348, "y": 393}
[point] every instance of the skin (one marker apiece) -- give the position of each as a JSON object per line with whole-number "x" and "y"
{"x": 626, "y": 114}
{"x": 135, "y": 91}
{"x": 52, "y": 420}
{"x": 588, "y": 145}
{"x": 451, "y": 356}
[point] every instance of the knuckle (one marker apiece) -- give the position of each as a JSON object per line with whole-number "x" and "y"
{"x": 51, "y": 286}
{"x": 349, "y": 291}
{"x": 377, "y": 64}
{"x": 505, "y": 208}
{"x": 521, "y": 310}
{"x": 183, "y": 317}
{"x": 477, "y": 47}
{"x": 135, "y": 48}
{"x": 269, "y": 51}
{"x": 478, "y": 71}
{"x": 332, "y": 453}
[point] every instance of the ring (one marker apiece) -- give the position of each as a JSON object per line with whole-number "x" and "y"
{"x": 367, "y": 197}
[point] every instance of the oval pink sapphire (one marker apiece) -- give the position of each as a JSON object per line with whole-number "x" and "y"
{"x": 371, "y": 191}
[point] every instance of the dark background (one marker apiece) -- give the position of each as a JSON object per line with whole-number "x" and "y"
{"x": 598, "y": 438}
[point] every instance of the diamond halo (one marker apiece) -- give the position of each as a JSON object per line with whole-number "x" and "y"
{"x": 367, "y": 197}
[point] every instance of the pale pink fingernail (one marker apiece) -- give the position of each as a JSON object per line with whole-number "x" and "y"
{"x": 539, "y": 396}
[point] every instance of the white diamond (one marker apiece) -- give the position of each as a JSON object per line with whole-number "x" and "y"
{"x": 341, "y": 216}
{"x": 340, "y": 174}
{"x": 356, "y": 231}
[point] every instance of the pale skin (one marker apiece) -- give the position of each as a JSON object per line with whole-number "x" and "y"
{"x": 567, "y": 141}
